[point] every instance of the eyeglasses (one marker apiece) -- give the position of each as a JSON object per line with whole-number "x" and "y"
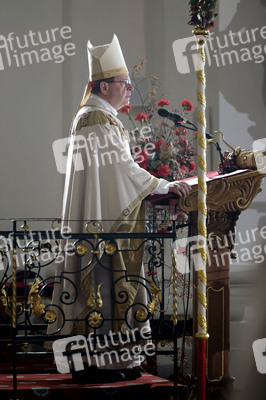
{"x": 126, "y": 82}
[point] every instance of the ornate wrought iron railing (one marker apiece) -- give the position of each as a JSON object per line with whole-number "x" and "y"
{"x": 44, "y": 269}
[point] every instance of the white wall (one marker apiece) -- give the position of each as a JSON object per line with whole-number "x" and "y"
{"x": 31, "y": 117}
{"x": 242, "y": 99}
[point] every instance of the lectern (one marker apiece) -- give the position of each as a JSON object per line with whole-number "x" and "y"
{"x": 227, "y": 196}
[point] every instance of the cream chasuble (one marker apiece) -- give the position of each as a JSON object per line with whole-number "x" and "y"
{"x": 103, "y": 183}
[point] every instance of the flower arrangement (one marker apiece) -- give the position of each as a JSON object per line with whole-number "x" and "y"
{"x": 158, "y": 146}
{"x": 202, "y": 13}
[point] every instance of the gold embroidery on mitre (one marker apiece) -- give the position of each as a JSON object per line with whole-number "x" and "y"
{"x": 109, "y": 74}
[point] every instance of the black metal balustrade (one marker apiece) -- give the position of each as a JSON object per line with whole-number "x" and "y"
{"x": 32, "y": 250}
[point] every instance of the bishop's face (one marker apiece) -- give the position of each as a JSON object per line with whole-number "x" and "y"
{"x": 119, "y": 91}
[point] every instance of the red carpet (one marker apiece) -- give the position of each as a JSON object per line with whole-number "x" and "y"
{"x": 60, "y": 386}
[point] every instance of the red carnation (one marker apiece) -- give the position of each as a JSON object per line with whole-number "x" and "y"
{"x": 163, "y": 170}
{"x": 125, "y": 109}
{"x": 141, "y": 156}
{"x": 158, "y": 144}
{"x": 142, "y": 159}
{"x": 183, "y": 142}
{"x": 183, "y": 131}
{"x": 187, "y": 105}
{"x": 163, "y": 102}
{"x": 160, "y": 230}
{"x": 143, "y": 164}
{"x": 183, "y": 169}
{"x": 142, "y": 117}
{"x": 192, "y": 166}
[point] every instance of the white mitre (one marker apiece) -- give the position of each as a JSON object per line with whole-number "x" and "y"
{"x": 106, "y": 61}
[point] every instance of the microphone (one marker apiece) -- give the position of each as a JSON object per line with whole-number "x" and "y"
{"x": 173, "y": 117}
{"x": 177, "y": 119}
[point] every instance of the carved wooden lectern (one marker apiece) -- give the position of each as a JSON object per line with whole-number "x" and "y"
{"x": 227, "y": 196}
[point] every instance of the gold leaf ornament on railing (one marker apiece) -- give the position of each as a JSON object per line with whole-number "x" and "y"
{"x": 92, "y": 299}
{"x": 34, "y": 299}
{"x": 38, "y": 308}
{"x": 4, "y": 305}
{"x": 156, "y": 296}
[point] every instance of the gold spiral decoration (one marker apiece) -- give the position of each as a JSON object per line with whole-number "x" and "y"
{"x": 202, "y": 163}
{"x": 202, "y": 229}
{"x": 203, "y": 253}
{"x": 200, "y": 35}
{"x": 202, "y": 56}
{"x": 202, "y": 298}
{"x": 202, "y": 141}
{"x": 202, "y": 277}
{"x": 201, "y": 78}
{"x": 202, "y": 207}
{"x": 201, "y": 98}
{"x": 202, "y": 321}
{"x": 202, "y": 186}
{"x": 201, "y": 117}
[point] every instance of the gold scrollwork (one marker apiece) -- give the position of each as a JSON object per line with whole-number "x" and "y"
{"x": 99, "y": 300}
{"x": 4, "y": 309}
{"x": 94, "y": 224}
{"x": 53, "y": 222}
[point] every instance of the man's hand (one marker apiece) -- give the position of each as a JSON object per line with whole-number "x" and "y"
{"x": 182, "y": 189}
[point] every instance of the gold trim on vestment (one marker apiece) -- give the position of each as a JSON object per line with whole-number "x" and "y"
{"x": 134, "y": 203}
{"x": 97, "y": 117}
{"x": 126, "y": 266}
